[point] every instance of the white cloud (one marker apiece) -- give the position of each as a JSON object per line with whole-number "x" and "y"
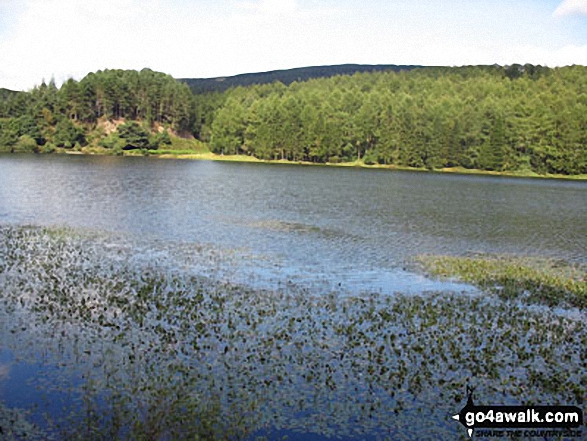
{"x": 571, "y": 7}
{"x": 60, "y": 38}
{"x": 461, "y": 53}
{"x": 563, "y": 56}
{"x": 271, "y": 7}
{"x": 210, "y": 38}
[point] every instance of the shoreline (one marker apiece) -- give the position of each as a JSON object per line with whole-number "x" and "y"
{"x": 209, "y": 156}
{"x": 361, "y": 164}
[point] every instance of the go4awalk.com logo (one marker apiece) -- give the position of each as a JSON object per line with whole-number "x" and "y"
{"x": 520, "y": 421}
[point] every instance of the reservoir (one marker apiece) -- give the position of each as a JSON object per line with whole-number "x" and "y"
{"x": 347, "y": 226}
{"x": 254, "y": 300}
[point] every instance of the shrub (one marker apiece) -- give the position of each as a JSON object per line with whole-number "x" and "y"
{"x": 159, "y": 140}
{"x": 26, "y": 144}
{"x": 48, "y": 148}
{"x": 111, "y": 141}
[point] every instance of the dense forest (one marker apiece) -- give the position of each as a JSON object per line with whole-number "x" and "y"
{"x": 514, "y": 118}
{"x": 48, "y": 117}
{"x": 490, "y": 118}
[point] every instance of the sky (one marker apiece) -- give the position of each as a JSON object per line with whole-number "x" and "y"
{"x": 61, "y": 39}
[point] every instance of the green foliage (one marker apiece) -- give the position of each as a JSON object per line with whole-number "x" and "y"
{"x": 112, "y": 141}
{"x": 490, "y": 118}
{"x": 26, "y": 144}
{"x": 229, "y": 129}
{"x": 145, "y": 95}
{"x": 8, "y": 134}
{"x": 192, "y": 145}
{"x": 207, "y": 105}
{"x": 514, "y": 118}
{"x": 133, "y": 136}
{"x": 48, "y": 148}
{"x": 67, "y": 134}
{"x": 159, "y": 140}
{"x": 371, "y": 158}
{"x": 27, "y": 125}
{"x": 66, "y": 116}
{"x": 534, "y": 280}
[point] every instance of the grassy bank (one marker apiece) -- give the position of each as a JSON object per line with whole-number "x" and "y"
{"x": 533, "y": 280}
{"x": 209, "y": 156}
{"x": 202, "y": 153}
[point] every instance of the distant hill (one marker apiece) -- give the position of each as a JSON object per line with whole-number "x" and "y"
{"x": 5, "y": 93}
{"x": 288, "y": 76}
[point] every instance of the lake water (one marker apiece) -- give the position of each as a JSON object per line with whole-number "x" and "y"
{"x": 350, "y": 226}
{"x": 360, "y": 366}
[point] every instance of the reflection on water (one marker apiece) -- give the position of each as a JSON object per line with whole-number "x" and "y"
{"x": 352, "y": 226}
{"x": 324, "y": 350}
{"x": 116, "y": 332}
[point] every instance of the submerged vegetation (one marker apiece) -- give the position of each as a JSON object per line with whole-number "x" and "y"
{"x": 149, "y": 346}
{"x": 515, "y": 119}
{"x": 532, "y": 280}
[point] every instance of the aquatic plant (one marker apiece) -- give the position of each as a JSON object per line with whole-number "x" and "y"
{"x": 149, "y": 348}
{"x": 530, "y": 279}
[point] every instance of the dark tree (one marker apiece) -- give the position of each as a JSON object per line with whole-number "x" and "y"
{"x": 133, "y": 135}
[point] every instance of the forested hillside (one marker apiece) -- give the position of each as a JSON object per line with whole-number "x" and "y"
{"x": 490, "y": 118}
{"x": 48, "y": 117}
{"x": 517, "y": 118}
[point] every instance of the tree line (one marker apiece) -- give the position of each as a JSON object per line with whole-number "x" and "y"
{"x": 514, "y": 118}
{"x": 65, "y": 116}
{"x": 489, "y": 117}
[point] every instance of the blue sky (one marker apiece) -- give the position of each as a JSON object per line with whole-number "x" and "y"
{"x": 44, "y": 39}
